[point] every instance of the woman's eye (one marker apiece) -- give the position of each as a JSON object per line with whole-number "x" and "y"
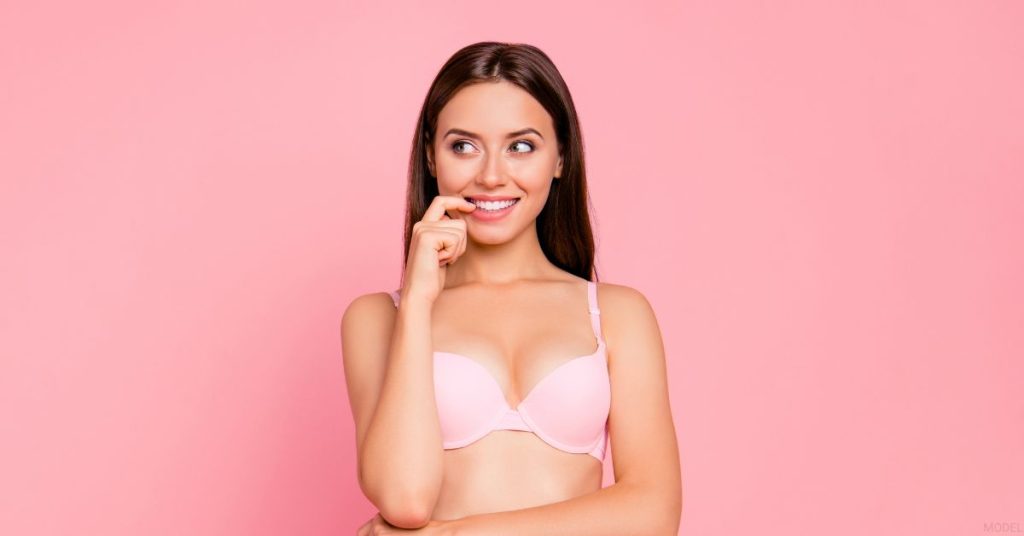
{"x": 526, "y": 143}
{"x": 455, "y": 146}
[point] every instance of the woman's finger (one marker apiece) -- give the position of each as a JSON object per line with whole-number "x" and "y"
{"x": 370, "y": 528}
{"x": 364, "y": 530}
{"x": 443, "y": 203}
{"x": 449, "y": 243}
{"x": 457, "y": 229}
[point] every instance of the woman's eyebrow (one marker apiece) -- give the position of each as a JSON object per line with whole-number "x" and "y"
{"x": 519, "y": 132}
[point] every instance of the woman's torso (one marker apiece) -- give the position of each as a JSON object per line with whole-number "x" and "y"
{"x": 520, "y": 335}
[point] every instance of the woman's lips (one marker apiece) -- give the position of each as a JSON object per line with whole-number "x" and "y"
{"x": 485, "y": 215}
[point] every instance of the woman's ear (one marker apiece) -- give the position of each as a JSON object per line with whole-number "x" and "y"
{"x": 430, "y": 158}
{"x": 558, "y": 168}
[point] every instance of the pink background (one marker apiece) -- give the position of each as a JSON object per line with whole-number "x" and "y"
{"x": 822, "y": 201}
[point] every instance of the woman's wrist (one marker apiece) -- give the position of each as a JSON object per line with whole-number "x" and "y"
{"x": 412, "y": 300}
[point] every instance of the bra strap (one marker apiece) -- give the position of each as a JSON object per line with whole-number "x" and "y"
{"x": 595, "y": 312}
{"x": 394, "y": 297}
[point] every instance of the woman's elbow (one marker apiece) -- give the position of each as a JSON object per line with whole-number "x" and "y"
{"x": 669, "y": 525}
{"x": 403, "y": 506}
{"x": 663, "y": 509}
{"x": 671, "y": 510}
{"x": 407, "y": 511}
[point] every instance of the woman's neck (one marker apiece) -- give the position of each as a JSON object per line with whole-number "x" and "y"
{"x": 519, "y": 259}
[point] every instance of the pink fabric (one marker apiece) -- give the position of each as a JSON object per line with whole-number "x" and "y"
{"x": 568, "y": 409}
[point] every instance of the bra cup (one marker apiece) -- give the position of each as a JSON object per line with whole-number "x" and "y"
{"x": 468, "y": 403}
{"x": 569, "y": 408}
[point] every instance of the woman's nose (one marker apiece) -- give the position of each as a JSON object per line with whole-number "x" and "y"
{"x": 493, "y": 173}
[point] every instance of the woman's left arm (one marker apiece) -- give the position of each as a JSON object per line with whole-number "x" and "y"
{"x": 647, "y": 496}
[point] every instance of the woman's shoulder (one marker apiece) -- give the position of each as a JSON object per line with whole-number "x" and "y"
{"x": 375, "y": 300}
{"x": 370, "y": 308}
{"x": 619, "y": 296}
{"x": 625, "y": 313}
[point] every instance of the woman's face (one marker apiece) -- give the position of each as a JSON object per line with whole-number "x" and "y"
{"x": 495, "y": 139}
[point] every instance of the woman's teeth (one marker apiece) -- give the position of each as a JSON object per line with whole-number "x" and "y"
{"x": 494, "y": 205}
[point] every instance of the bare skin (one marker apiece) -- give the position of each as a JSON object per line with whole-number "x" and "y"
{"x": 540, "y": 324}
{"x": 493, "y": 295}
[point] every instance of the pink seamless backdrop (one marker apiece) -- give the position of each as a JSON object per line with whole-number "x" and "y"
{"x": 821, "y": 200}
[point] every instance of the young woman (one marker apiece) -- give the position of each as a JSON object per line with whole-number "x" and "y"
{"x": 480, "y": 402}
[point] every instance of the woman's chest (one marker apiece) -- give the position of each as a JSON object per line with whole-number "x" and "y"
{"x": 516, "y": 352}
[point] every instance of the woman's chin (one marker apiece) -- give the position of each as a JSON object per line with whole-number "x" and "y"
{"x": 488, "y": 236}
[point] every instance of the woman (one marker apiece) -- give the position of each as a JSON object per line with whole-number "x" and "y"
{"x": 480, "y": 403}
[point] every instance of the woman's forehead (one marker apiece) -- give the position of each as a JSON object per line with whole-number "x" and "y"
{"x": 493, "y": 110}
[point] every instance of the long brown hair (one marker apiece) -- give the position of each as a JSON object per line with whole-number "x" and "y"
{"x": 563, "y": 225}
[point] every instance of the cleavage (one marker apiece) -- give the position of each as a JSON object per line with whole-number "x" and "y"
{"x": 510, "y": 377}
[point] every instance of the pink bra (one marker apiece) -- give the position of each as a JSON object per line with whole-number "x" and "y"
{"x": 568, "y": 408}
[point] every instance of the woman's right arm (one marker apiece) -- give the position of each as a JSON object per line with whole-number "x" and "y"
{"x": 389, "y": 374}
{"x": 389, "y": 371}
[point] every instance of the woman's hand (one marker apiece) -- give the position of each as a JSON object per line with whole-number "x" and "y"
{"x": 378, "y": 525}
{"x": 437, "y": 241}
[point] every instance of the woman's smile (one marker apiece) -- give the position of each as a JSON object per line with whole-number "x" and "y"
{"x": 489, "y": 211}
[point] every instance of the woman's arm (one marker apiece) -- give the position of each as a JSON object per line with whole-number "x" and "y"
{"x": 622, "y": 508}
{"x": 389, "y": 375}
{"x": 647, "y": 495}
